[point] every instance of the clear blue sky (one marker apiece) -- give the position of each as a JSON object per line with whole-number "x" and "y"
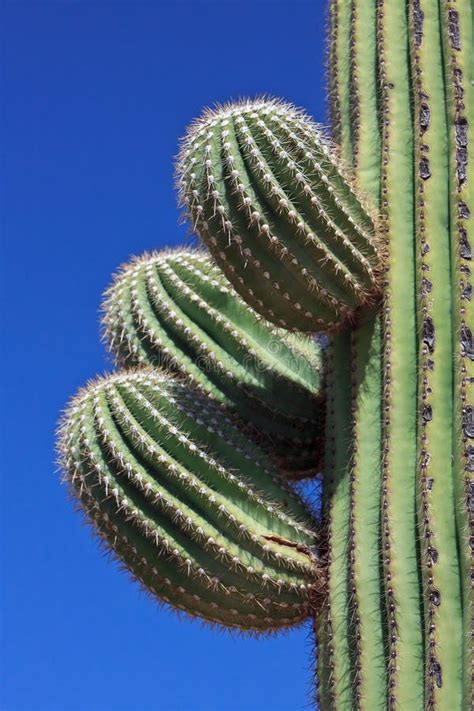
{"x": 97, "y": 95}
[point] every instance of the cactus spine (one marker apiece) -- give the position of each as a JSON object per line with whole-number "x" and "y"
{"x": 196, "y": 512}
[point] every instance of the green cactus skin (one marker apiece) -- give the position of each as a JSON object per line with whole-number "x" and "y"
{"x": 194, "y": 510}
{"x": 367, "y": 610}
{"x": 424, "y": 169}
{"x": 399, "y": 524}
{"x": 356, "y": 655}
{"x": 176, "y": 310}
{"x": 278, "y": 214}
{"x": 334, "y": 645}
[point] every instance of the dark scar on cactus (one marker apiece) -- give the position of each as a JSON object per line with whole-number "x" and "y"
{"x": 463, "y": 211}
{"x": 429, "y": 334}
{"x": 468, "y": 422}
{"x": 427, "y": 413}
{"x": 425, "y": 171}
{"x": 426, "y": 286}
{"x": 469, "y": 453}
{"x": 453, "y": 29}
{"x": 285, "y": 542}
{"x": 467, "y": 345}
{"x": 435, "y": 671}
{"x": 435, "y": 598}
{"x": 424, "y": 116}
{"x": 465, "y": 251}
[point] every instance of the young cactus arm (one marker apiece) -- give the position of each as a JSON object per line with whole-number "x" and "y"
{"x": 457, "y": 36}
{"x": 278, "y": 214}
{"x": 188, "y": 513}
{"x": 442, "y": 601}
{"x": 399, "y": 518}
{"x": 186, "y": 316}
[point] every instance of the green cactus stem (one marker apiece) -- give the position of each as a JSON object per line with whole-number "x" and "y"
{"x": 352, "y": 646}
{"x": 332, "y": 625}
{"x": 367, "y": 613}
{"x": 196, "y": 512}
{"x": 176, "y": 310}
{"x": 399, "y": 523}
{"x": 280, "y": 217}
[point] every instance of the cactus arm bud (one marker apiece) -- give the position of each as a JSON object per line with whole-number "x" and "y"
{"x": 238, "y": 541}
{"x": 267, "y": 196}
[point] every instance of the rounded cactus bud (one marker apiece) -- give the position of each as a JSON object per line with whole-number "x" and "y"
{"x": 177, "y": 310}
{"x": 268, "y": 197}
{"x": 195, "y": 511}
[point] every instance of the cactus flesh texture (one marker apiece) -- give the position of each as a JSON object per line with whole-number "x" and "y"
{"x": 176, "y": 310}
{"x": 196, "y": 512}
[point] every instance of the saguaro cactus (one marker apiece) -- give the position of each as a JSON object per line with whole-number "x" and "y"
{"x": 366, "y": 238}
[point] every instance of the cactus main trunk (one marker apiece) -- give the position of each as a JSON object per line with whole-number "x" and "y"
{"x": 417, "y": 52}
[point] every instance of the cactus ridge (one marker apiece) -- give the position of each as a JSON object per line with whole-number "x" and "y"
{"x": 133, "y": 450}
{"x": 457, "y": 41}
{"x": 368, "y": 621}
{"x": 442, "y": 603}
{"x": 186, "y": 317}
{"x": 334, "y": 644}
{"x": 266, "y": 195}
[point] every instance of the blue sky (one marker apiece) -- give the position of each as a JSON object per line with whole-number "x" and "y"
{"x": 97, "y": 95}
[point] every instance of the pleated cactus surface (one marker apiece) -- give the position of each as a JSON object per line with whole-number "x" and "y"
{"x": 280, "y": 217}
{"x": 176, "y": 310}
{"x": 197, "y": 513}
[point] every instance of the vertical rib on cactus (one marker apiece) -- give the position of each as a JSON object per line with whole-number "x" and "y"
{"x": 442, "y": 604}
{"x": 334, "y": 625}
{"x": 339, "y": 64}
{"x": 335, "y": 688}
{"x": 403, "y": 594}
{"x": 370, "y": 681}
{"x": 457, "y": 35}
